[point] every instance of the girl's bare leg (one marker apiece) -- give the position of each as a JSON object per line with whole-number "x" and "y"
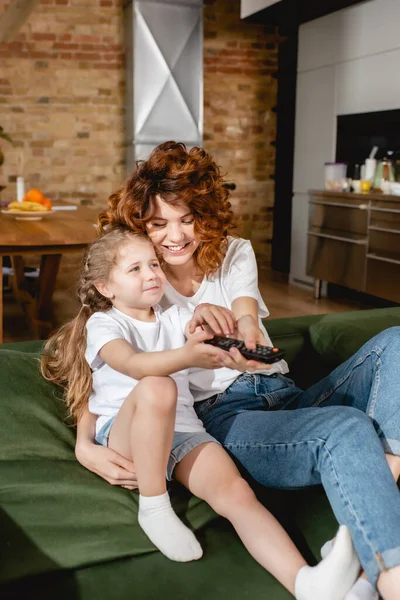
{"x": 210, "y": 474}
{"x": 143, "y": 429}
{"x": 394, "y": 465}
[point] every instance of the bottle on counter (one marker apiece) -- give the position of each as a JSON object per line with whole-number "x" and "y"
{"x": 356, "y": 180}
{"x": 383, "y": 177}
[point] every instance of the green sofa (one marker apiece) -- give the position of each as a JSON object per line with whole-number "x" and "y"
{"x": 66, "y": 533}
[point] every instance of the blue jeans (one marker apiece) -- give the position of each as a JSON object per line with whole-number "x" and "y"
{"x": 333, "y": 433}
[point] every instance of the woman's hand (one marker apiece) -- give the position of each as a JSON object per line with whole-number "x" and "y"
{"x": 248, "y": 331}
{"x": 221, "y": 320}
{"x": 108, "y": 464}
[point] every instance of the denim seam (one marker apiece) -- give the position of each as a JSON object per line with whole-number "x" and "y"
{"x": 371, "y": 408}
{"x": 377, "y": 351}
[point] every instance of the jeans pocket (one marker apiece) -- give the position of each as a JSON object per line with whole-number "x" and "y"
{"x": 205, "y": 406}
{"x": 275, "y": 389}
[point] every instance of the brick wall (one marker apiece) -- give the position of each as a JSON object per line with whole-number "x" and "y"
{"x": 239, "y": 124}
{"x": 62, "y": 101}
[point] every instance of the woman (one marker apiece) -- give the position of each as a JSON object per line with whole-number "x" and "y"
{"x": 178, "y": 198}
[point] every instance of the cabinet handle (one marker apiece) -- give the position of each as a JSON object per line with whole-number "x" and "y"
{"x": 389, "y": 260}
{"x": 384, "y": 229}
{"x": 338, "y": 238}
{"x": 385, "y": 210}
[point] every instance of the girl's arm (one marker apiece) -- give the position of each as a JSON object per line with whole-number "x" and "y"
{"x": 120, "y": 355}
{"x": 105, "y": 462}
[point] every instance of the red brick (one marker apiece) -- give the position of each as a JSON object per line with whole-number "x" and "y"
{"x": 65, "y": 46}
{"x": 43, "y": 36}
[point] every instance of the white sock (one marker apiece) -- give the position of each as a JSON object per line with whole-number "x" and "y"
{"x": 162, "y": 526}
{"x": 332, "y": 578}
{"x": 326, "y": 548}
{"x": 362, "y": 589}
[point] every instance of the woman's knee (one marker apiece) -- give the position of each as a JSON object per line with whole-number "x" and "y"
{"x": 231, "y": 496}
{"x": 389, "y": 339}
{"x": 156, "y": 393}
{"x": 349, "y": 424}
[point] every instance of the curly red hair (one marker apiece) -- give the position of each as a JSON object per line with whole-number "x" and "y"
{"x": 177, "y": 176}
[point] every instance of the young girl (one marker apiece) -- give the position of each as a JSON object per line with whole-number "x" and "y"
{"x": 117, "y": 355}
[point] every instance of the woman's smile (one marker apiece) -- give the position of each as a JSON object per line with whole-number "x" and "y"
{"x": 177, "y": 248}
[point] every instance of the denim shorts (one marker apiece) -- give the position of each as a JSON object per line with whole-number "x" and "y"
{"x": 182, "y": 444}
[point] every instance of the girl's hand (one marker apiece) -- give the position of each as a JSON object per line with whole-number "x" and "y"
{"x": 237, "y": 361}
{"x": 108, "y": 464}
{"x": 221, "y": 320}
{"x": 204, "y": 356}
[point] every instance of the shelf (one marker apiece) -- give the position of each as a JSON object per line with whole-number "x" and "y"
{"x": 352, "y": 195}
{"x": 339, "y": 204}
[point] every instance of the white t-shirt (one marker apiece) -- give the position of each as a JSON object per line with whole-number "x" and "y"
{"x": 237, "y": 277}
{"x": 110, "y": 387}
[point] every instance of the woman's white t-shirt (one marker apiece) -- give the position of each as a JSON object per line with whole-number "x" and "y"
{"x": 237, "y": 277}
{"x": 110, "y": 387}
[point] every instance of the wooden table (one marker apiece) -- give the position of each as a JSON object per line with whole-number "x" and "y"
{"x": 62, "y": 232}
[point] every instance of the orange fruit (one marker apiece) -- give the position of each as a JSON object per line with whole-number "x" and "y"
{"x": 47, "y": 203}
{"x": 34, "y": 195}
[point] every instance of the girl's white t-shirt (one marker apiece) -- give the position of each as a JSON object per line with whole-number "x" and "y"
{"x": 110, "y": 387}
{"x": 237, "y": 277}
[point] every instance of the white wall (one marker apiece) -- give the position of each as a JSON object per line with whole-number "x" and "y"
{"x": 348, "y": 63}
{"x": 249, "y": 7}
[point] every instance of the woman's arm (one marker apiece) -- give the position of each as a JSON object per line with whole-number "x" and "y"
{"x": 105, "y": 462}
{"x": 245, "y": 310}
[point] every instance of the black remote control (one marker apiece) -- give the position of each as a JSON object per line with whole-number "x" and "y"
{"x": 265, "y": 354}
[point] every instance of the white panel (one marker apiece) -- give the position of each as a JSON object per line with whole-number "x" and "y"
{"x": 369, "y": 84}
{"x": 315, "y": 133}
{"x": 361, "y": 30}
{"x": 249, "y": 7}
{"x": 318, "y": 45}
{"x": 298, "y": 255}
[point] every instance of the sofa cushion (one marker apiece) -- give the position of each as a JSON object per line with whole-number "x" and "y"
{"x": 338, "y": 335}
{"x": 54, "y": 513}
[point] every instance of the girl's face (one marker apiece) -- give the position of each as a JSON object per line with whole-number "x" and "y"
{"x": 171, "y": 230}
{"x": 136, "y": 283}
